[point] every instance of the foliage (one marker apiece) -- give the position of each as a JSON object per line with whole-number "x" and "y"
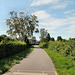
{"x": 45, "y": 36}
{"x": 7, "y": 63}
{"x": 62, "y": 54}
{"x": 21, "y": 25}
{"x": 1, "y": 38}
{"x": 59, "y": 38}
{"x": 64, "y": 40}
{"x": 33, "y": 38}
{"x": 4, "y": 35}
{"x": 11, "y": 48}
{"x": 43, "y": 33}
{"x": 52, "y": 39}
{"x": 44, "y": 45}
{"x": 63, "y": 65}
{"x": 71, "y": 38}
{"x": 5, "y": 38}
{"x": 48, "y": 37}
{"x": 66, "y": 48}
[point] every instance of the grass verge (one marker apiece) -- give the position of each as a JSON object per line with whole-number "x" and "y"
{"x": 7, "y": 63}
{"x": 63, "y": 65}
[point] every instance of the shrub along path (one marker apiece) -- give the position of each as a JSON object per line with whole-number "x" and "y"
{"x": 36, "y": 63}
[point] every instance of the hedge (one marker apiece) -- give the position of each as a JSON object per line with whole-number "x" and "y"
{"x": 65, "y": 48}
{"x": 11, "y": 48}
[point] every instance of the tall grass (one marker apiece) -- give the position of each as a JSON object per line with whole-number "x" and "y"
{"x": 62, "y": 55}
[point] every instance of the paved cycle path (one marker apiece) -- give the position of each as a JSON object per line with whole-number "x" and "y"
{"x": 36, "y": 63}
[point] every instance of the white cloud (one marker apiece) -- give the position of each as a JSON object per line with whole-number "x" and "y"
{"x": 71, "y": 29}
{"x": 71, "y": 25}
{"x": 42, "y": 14}
{"x": 54, "y": 4}
{"x": 66, "y": 25}
{"x": 52, "y": 24}
{"x": 69, "y": 11}
{"x": 59, "y": 6}
{"x": 41, "y": 2}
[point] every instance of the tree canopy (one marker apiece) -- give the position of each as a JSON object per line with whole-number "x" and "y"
{"x": 59, "y": 38}
{"x": 48, "y": 37}
{"x": 22, "y": 25}
{"x": 45, "y": 36}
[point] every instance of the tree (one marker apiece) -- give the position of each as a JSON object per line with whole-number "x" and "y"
{"x": 22, "y": 25}
{"x": 64, "y": 40}
{"x": 4, "y": 35}
{"x": 44, "y": 34}
{"x": 33, "y": 38}
{"x": 59, "y": 38}
{"x": 5, "y": 38}
{"x": 70, "y": 38}
{"x": 52, "y": 39}
{"x": 1, "y": 38}
{"x": 48, "y": 37}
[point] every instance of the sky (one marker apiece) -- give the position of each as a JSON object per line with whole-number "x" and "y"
{"x": 56, "y": 16}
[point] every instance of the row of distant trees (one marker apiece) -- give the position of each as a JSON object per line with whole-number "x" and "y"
{"x": 45, "y": 36}
{"x": 22, "y": 26}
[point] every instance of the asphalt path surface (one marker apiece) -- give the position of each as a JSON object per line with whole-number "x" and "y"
{"x": 36, "y": 63}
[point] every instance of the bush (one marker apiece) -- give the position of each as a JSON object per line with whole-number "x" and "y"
{"x": 10, "y": 48}
{"x": 44, "y": 45}
{"x": 1, "y": 38}
{"x": 66, "y": 48}
{"x": 62, "y": 54}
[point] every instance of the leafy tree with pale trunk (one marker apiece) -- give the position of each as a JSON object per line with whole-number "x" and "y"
{"x": 22, "y": 25}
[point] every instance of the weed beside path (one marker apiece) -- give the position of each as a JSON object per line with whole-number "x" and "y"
{"x": 7, "y": 63}
{"x": 62, "y": 54}
{"x": 63, "y": 65}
